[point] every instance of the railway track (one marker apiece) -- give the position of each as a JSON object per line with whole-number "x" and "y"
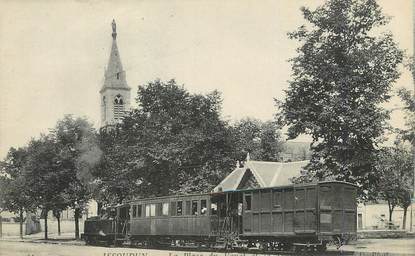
{"x": 188, "y": 251}
{"x": 204, "y": 251}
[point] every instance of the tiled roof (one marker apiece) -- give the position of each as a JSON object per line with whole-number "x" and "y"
{"x": 267, "y": 174}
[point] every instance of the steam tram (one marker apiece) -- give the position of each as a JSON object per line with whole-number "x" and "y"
{"x": 275, "y": 218}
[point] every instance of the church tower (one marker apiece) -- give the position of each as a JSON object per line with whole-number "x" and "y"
{"x": 115, "y": 92}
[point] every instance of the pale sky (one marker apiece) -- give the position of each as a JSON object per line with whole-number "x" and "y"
{"x": 53, "y": 54}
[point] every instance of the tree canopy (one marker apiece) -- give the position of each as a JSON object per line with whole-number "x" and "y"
{"x": 262, "y": 140}
{"x": 78, "y": 151}
{"x": 343, "y": 71}
{"x": 53, "y": 172}
{"x": 395, "y": 172}
{"x": 408, "y": 98}
{"x": 174, "y": 142}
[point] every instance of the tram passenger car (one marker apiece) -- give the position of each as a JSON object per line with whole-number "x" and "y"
{"x": 275, "y": 217}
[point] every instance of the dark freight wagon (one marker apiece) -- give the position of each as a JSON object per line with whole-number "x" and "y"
{"x": 285, "y": 217}
{"x": 306, "y": 213}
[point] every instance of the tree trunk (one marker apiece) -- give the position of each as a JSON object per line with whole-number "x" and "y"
{"x": 77, "y": 213}
{"x": 391, "y": 207}
{"x": 59, "y": 225}
{"x": 21, "y": 223}
{"x": 405, "y": 210}
{"x": 46, "y": 224}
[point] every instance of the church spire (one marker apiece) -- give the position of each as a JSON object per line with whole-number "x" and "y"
{"x": 115, "y": 92}
{"x": 115, "y": 74}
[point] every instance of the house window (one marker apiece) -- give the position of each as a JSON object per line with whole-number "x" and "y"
{"x": 118, "y": 75}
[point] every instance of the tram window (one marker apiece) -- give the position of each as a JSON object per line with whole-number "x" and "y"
{"x": 147, "y": 210}
{"x": 152, "y": 210}
{"x": 134, "y": 211}
{"x": 214, "y": 209}
{"x": 203, "y": 207}
{"x": 139, "y": 211}
{"x": 158, "y": 209}
{"x": 187, "y": 208}
{"x": 173, "y": 208}
{"x": 248, "y": 202}
{"x": 179, "y": 209}
{"x": 165, "y": 209}
{"x": 194, "y": 207}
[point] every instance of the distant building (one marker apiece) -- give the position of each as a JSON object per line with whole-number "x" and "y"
{"x": 374, "y": 216}
{"x": 115, "y": 92}
{"x": 296, "y": 151}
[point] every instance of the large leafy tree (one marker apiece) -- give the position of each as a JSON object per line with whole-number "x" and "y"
{"x": 116, "y": 176}
{"x": 47, "y": 176}
{"x": 343, "y": 71}
{"x": 78, "y": 152}
{"x": 174, "y": 142}
{"x": 14, "y": 193}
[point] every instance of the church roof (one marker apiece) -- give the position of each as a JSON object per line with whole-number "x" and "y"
{"x": 114, "y": 74}
{"x": 267, "y": 174}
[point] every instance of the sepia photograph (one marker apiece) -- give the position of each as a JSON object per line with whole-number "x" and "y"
{"x": 207, "y": 127}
